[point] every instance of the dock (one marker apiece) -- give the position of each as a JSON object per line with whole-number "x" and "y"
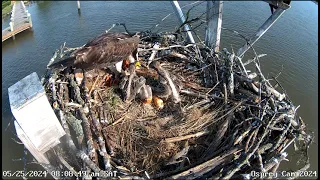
{"x": 20, "y": 21}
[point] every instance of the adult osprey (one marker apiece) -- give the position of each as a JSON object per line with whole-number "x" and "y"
{"x": 105, "y": 50}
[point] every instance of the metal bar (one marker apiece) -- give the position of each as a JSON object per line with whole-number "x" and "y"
{"x": 279, "y": 4}
{"x": 264, "y": 28}
{"x": 214, "y": 23}
{"x": 182, "y": 19}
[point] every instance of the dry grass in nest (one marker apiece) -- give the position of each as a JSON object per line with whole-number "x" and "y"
{"x": 139, "y": 136}
{"x": 138, "y": 131}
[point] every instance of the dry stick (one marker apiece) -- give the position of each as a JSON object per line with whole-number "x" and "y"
{"x": 254, "y": 59}
{"x": 225, "y": 93}
{"x": 60, "y": 97}
{"x": 87, "y": 131}
{"x": 76, "y": 90}
{"x": 230, "y": 173}
{"x": 164, "y": 48}
{"x": 108, "y": 144}
{"x": 68, "y": 137}
{"x": 198, "y": 104}
{"x": 274, "y": 161}
{"x": 250, "y": 95}
{"x": 255, "y": 133}
{"x": 94, "y": 84}
{"x": 178, "y": 55}
{"x": 222, "y": 129}
{"x": 238, "y": 60}
{"x": 119, "y": 120}
{"x": 261, "y": 167}
{"x": 275, "y": 93}
{"x": 91, "y": 164}
{"x": 67, "y": 165}
{"x": 66, "y": 129}
{"x": 262, "y": 149}
{"x": 181, "y": 138}
{"x": 102, "y": 116}
{"x": 242, "y": 136}
{"x": 66, "y": 94}
{"x": 268, "y": 85}
{"x": 72, "y": 104}
{"x": 103, "y": 151}
{"x": 76, "y": 126}
{"x": 199, "y": 95}
{"x": 229, "y": 63}
{"x": 285, "y": 147}
{"x": 85, "y": 121}
{"x": 281, "y": 137}
{"x": 200, "y": 170}
{"x": 153, "y": 54}
{"x": 52, "y": 80}
{"x": 241, "y": 65}
{"x": 213, "y": 88}
{"x": 249, "y": 82}
{"x": 105, "y": 114}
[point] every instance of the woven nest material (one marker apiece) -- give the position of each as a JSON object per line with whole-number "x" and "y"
{"x": 227, "y": 124}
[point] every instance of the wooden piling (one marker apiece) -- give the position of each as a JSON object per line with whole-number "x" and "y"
{"x": 214, "y": 23}
{"x": 78, "y": 2}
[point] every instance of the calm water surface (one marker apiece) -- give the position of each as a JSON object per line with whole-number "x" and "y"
{"x": 292, "y": 43}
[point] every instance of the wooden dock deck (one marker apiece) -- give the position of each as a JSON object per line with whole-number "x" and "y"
{"x": 20, "y": 21}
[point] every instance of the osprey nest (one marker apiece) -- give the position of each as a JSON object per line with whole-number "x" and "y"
{"x": 191, "y": 113}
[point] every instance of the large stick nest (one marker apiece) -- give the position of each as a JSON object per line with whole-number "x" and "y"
{"x": 228, "y": 123}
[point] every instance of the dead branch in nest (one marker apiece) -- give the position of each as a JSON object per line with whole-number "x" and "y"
{"x": 87, "y": 132}
{"x": 181, "y": 138}
{"x": 205, "y": 167}
{"x": 258, "y": 121}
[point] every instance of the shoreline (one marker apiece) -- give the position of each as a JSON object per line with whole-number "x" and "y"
{"x": 6, "y": 11}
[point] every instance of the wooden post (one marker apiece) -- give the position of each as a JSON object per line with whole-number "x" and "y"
{"x": 36, "y": 124}
{"x": 29, "y": 18}
{"x": 12, "y": 19}
{"x": 264, "y": 28}
{"x": 11, "y": 29}
{"x": 12, "y": 13}
{"x": 11, "y": 26}
{"x": 182, "y": 19}
{"x": 78, "y": 2}
{"x": 214, "y": 22}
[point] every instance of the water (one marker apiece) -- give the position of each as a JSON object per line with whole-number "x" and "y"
{"x": 292, "y": 43}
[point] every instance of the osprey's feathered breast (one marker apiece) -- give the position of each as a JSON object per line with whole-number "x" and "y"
{"x": 108, "y": 48}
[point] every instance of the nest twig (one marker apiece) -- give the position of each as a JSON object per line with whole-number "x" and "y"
{"x": 232, "y": 123}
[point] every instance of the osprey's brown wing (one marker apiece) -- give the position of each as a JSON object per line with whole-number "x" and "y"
{"x": 106, "y": 49}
